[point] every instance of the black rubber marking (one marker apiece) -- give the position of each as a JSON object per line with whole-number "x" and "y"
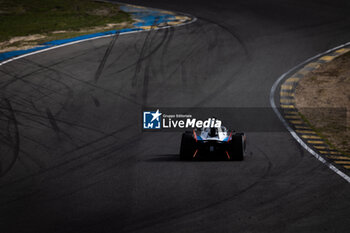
{"x": 96, "y": 101}
{"x": 15, "y": 144}
{"x": 105, "y": 57}
{"x": 52, "y": 121}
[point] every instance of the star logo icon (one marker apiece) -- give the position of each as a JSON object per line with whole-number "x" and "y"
{"x": 151, "y": 119}
{"x": 156, "y": 115}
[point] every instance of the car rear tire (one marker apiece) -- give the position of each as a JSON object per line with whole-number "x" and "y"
{"x": 237, "y": 147}
{"x": 188, "y": 147}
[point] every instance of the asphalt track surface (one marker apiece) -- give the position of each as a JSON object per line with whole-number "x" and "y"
{"x": 71, "y": 117}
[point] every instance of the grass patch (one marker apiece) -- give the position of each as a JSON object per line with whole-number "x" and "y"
{"x": 28, "y": 17}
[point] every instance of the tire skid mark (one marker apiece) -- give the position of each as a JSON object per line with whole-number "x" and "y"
{"x": 96, "y": 101}
{"x": 146, "y": 44}
{"x": 165, "y": 50}
{"x": 33, "y": 159}
{"x": 68, "y": 76}
{"x": 71, "y": 124}
{"x": 38, "y": 87}
{"x": 68, "y": 92}
{"x": 14, "y": 144}
{"x": 64, "y": 163}
{"x": 40, "y": 69}
{"x": 141, "y": 59}
{"x": 120, "y": 55}
{"x": 175, "y": 216}
{"x": 310, "y": 177}
{"x": 112, "y": 134}
{"x": 233, "y": 33}
{"x": 103, "y": 152}
{"x": 45, "y": 124}
{"x": 96, "y": 86}
{"x": 52, "y": 121}
{"x": 166, "y": 38}
{"x": 181, "y": 64}
{"x": 129, "y": 142}
{"x": 105, "y": 57}
{"x": 221, "y": 87}
{"x": 43, "y": 121}
{"x": 95, "y": 174}
{"x": 211, "y": 44}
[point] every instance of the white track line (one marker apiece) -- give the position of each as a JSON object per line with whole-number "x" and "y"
{"x": 291, "y": 131}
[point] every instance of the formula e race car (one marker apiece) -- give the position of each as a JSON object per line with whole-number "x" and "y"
{"x": 212, "y": 143}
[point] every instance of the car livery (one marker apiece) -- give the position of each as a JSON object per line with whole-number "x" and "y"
{"x": 215, "y": 143}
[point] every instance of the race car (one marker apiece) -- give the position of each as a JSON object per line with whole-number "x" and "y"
{"x": 212, "y": 143}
